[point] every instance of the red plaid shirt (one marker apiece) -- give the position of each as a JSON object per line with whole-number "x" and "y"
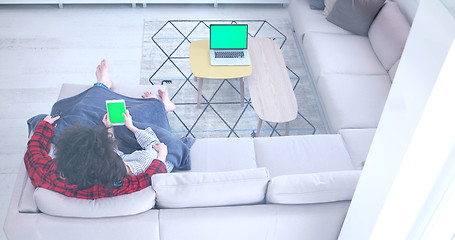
{"x": 43, "y": 172}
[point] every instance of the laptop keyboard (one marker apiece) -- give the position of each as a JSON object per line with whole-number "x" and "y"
{"x": 229, "y": 54}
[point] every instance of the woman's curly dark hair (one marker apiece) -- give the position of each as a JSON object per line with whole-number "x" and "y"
{"x": 85, "y": 156}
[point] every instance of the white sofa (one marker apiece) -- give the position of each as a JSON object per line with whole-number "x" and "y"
{"x": 294, "y": 187}
{"x": 351, "y": 73}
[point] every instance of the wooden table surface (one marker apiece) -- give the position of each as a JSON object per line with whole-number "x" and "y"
{"x": 201, "y": 68}
{"x": 269, "y": 85}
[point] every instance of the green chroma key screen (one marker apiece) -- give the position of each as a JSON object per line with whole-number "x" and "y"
{"x": 228, "y": 36}
{"x": 116, "y": 108}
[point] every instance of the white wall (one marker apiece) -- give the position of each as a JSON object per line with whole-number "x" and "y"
{"x": 403, "y": 163}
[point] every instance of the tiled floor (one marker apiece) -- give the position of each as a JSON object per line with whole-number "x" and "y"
{"x": 42, "y": 47}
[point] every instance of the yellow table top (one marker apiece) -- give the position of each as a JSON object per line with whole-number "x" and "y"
{"x": 201, "y": 68}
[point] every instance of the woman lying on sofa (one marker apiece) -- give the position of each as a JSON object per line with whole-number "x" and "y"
{"x": 87, "y": 162}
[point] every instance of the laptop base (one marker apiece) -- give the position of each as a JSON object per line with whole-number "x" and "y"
{"x": 245, "y": 61}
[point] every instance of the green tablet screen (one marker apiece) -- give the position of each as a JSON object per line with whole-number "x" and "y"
{"x": 116, "y": 108}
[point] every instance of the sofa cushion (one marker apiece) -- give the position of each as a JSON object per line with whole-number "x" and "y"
{"x": 358, "y": 142}
{"x": 328, "y": 6}
{"x": 56, "y": 204}
{"x": 264, "y": 221}
{"x": 192, "y": 189}
{"x": 388, "y": 34}
{"x": 340, "y": 53}
{"x": 222, "y": 154}
{"x": 313, "y": 187}
{"x": 353, "y": 101}
{"x": 302, "y": 154}
{"x": 306, "y": 20}
{"x": 355, "y": 15}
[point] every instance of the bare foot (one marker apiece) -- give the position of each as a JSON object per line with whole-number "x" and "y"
{"x": 102, "y": 74}
{"x": 149, "y": 94}
{"x": 168, "y": 105}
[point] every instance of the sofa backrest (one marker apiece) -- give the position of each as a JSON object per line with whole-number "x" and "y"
{"x": 388, "y": 34}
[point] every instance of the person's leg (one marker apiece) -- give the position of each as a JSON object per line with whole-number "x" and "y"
{"x": 168, "y": 104}
{"x": 102, "y": 75}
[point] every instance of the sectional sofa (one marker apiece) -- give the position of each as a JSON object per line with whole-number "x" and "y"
{"x": 352, "y": 73}
{"x": 293, "y": 187}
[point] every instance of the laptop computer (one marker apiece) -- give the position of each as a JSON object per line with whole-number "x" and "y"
{"x": 228, "y": 44}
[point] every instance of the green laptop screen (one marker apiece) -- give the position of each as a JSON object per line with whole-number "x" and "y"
{"x": 228, "y": 36}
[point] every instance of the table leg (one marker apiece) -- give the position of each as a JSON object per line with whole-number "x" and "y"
{"x": 258, "y": 130}
{"x": 287, "y": 128}
{"x": 242, "y": 91}
{"x": 199, "y": 90}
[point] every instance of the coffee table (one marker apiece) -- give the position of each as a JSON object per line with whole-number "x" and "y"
{"x": 201, "y": 68}
{"x": 270, "y": 88}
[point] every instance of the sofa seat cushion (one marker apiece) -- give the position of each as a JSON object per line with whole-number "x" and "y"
{"x": 353, "y": 101}
{"x": 56, "y": 204}
{"x": 306, "y": 20}
{"x": 388, "y": 34}
{"x": 302, "y": 154}
{"x": 222, "y": 154}
{"x": 265, "y": 221}
{"x": 192, "y": 189}
{"x": 340, "y": 54}
{"x": 358, "y": 142}
{"x": 313, "y": 187}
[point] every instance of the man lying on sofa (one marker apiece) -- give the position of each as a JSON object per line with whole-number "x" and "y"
{"x": 87, "y": 162}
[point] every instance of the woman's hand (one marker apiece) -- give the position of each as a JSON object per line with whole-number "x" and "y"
{"x": 129, "y": 122}
{"x": 161, "y": 148}
{"x": 51, "y": 119}
{"x": 107, "y": 121}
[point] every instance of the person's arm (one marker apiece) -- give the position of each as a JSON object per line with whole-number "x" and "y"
{"x": 146, "y": 138}
{"x": 37, "y": 160}
{"x": 107, "y": 123}
{"x": 143, "y": 180}
{"x": 129, "y": 122}
{"x": 161, "y": 148}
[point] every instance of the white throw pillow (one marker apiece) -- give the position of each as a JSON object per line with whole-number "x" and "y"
{"x": 207, "y": 189}
{"x": 56, "y": 204}
{"x": 313, "y": 188}
{"x": 328, "y": 6}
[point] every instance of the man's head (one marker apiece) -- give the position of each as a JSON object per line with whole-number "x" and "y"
{"x": 86, "y": 157}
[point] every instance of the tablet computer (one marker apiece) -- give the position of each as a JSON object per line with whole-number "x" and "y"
{"x": 115, "y": 109}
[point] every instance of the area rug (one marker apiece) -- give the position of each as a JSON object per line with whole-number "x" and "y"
{"x": 165, "y": 60}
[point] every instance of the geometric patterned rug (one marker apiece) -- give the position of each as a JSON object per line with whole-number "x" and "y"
{"x": 165, "y": 60}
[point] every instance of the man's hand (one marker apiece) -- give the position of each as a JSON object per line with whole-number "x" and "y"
{"x": 161, "y": 148}
{"x": 51, "y": 119}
